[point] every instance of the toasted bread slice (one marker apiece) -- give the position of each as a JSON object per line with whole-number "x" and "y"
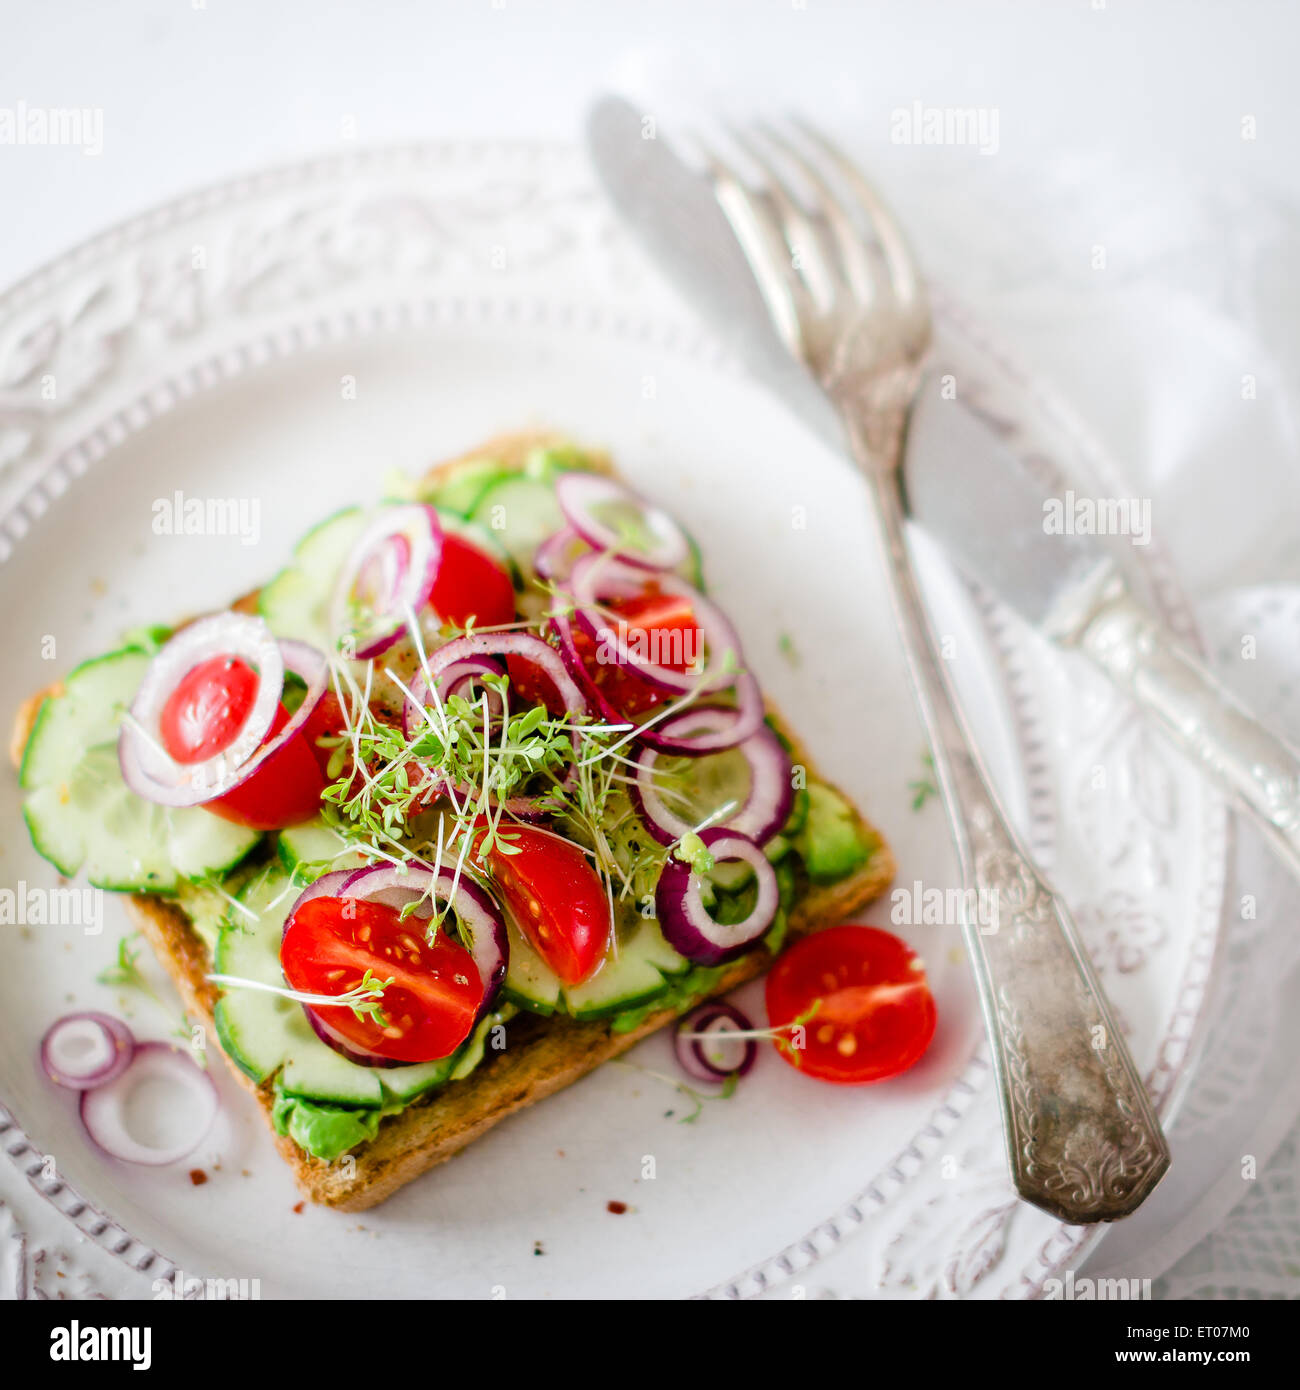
{"x": 542, "y": 1054}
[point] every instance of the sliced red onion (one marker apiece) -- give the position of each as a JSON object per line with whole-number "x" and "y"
{"x": 717, "y": 1058}
{"x": 562, "y": 627}
{"x": 85, "y": 1050}
{"x": 151, "y": 773}
{"x": 771, "y": 795}
{"x": 747, "y": 714}
{"x": 389, "y": 574}
{"x": 346, "y": 1047}
{"x": 462, "y": 677}
{"x": 487, "y": 644}
{"x": 685, "y": 921}
{"x": 558, "y": 553}
{"x": 582, "y": 495}
{"x": 747, "y": 718}
{"x": 146, "y": 765}
{"x": 599, "y": 578}
{"x": 328, "y": 885}
{"x": 107, "y": 1111}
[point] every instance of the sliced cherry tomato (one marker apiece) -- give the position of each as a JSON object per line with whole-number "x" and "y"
{"x": 428, "y": 1010}
{"x": 556, "y": 899}
{"x": 202, "y": 717}
{"x": 204, "y": 714}
{"x": 664, "y": 626}
{"x": 284, "y": 790}
{"x": 876, "y": 1014}
{"x": 471, "y": 584}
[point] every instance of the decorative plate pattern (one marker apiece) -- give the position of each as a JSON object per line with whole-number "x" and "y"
{"x": 167, "y": 311}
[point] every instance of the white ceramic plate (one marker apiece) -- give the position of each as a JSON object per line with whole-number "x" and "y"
{"x": 289, "y": 339}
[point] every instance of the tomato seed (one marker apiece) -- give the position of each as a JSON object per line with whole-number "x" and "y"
{"x": 847, "y": 1045}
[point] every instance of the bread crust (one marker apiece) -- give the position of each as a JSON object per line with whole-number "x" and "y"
{"x": 542, "y": 1055}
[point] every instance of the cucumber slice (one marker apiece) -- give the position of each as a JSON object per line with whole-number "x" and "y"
{"x": 207, "y": 902}
{"x": 530, "y": 983}
{"x": 640, "y": 973}
{"x": 520, "y": 512}
{"x": 82, "y": 815}
{"x": 831, "y": 842}
{"x": 295, "y": 603}
{"x": 314, "y": 842}
{"x": 464, "y": 488}
{"x": 265, "y": 1033}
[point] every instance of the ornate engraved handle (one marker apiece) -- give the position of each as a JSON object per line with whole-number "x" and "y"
{"x": 1257, "y": 769}
{"x": 1082, "y": 1138}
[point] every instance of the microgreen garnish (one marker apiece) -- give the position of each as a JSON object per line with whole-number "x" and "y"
{"x": 690, "y": 849}
{"x": 923, "y": 787}
{"x": 126, "y": 973}
{"x": 363, "y": 998}
{"x": 725, "y": 1092}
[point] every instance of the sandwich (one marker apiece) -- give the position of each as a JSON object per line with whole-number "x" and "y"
{"x": 472, "y": 796}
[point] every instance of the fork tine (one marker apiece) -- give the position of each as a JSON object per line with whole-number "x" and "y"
{"x": 763, "y": 245}
{"x": 808, "y": 254}
{"x": 908, "y": 287}
{"x": 859, "y": 271}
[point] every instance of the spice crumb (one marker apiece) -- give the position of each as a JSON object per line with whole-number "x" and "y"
{"x": 198, "y": 1177}
{"x": 298, "y": 1206}
{"x": 618, "y": 1208}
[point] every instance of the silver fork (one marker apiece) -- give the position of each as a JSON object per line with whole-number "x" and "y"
{"x": 846, "y": 298}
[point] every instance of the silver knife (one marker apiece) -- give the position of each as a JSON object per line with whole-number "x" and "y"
{"x": 994, "y": 525}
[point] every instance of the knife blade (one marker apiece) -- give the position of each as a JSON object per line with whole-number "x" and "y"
{"x": 670, "y": 209}
{"x": 970, "y": 492}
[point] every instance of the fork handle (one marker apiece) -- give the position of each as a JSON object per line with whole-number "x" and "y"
{"x": 1083, "y": 1140}
{"x": 1256, "y": 767}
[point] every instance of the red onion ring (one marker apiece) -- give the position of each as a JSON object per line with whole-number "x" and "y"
{"x": 146, "y": 765}
{"x": 718, "y": 1017}
{"x": 557, "y": 554}
{"x": 104, "y": 1109}
{"x": 479, "y": 917}
{"x": 685, "y": 921}
{"x": 396, "y": 559}
{"x": 596, "y": 578}
{"x": 580, "y": 493}
{"x": 748, "y": 712}
{"x": 150, "y": 773}
{"x": 459, "y": 677}
{"x": 84, "y": 1050}
{"x": 771, "y": 795}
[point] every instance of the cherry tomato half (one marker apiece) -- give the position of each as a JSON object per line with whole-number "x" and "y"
{"x": 471, "y": 584}
{"x": 204, "y": 714}
{"x": 202, "y": 717}
{"x": 555, "y": 897}
{"x": 428, "y": 1010}
{"x": 664, "y": 627}
{"x": 876, "y": 1014}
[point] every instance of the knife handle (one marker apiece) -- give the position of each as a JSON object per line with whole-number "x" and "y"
{"x": 1255, "y": 767}
{"x": 1083, "y": 1139}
